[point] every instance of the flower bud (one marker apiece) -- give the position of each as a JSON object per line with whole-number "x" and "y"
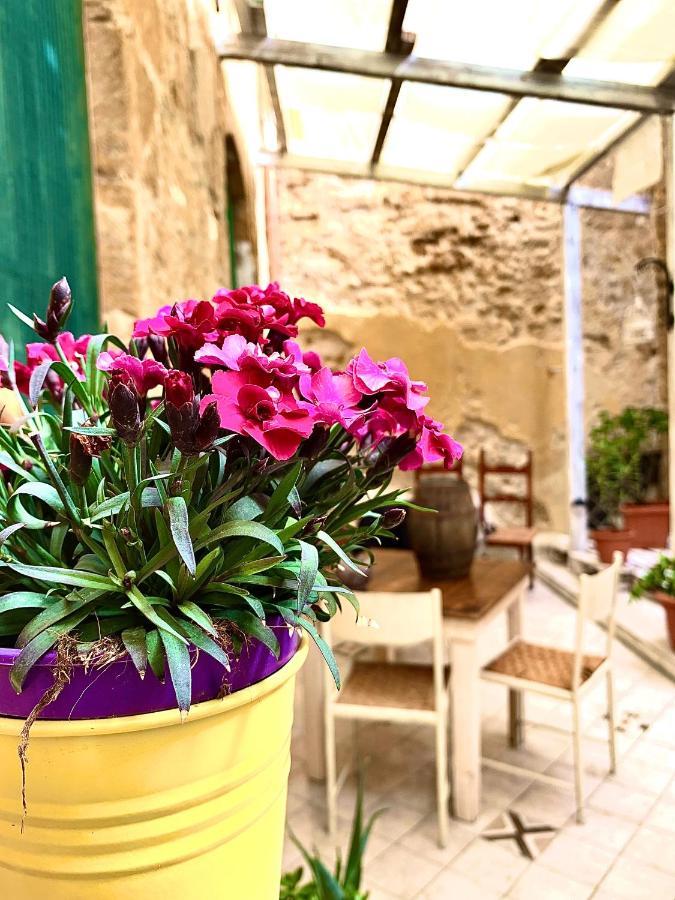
{"x": 58, "y": 310}
{"x": 393, "y": 517}
{"x": 178, "y": 388}
{"x": 124, "y": 404}
{"x": 80, "y": 460}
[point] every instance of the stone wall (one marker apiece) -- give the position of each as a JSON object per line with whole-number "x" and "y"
{"x": 158, "y": 125}
{"x": 468, "y": 290}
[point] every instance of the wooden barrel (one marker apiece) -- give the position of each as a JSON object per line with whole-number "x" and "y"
{"x": 444, "y": 542}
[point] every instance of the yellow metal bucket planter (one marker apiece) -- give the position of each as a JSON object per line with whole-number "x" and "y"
{"x": 146, "y": 807}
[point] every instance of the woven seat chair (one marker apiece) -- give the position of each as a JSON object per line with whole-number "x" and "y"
{"x": 566, "y": 675}
{"x": 390, "y": 691}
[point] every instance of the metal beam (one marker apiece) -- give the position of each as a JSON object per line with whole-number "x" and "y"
{"x": 587, "y": 198}
{"x": 574, "y": 377}
{"x": 373, "y": 64}
{"x": 395, "y": 43}
{"x": 253, "y": 24}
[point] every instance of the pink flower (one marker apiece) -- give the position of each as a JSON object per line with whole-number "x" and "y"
{"x": 304, "y": 309}
{"x": 332, "y": 398}
{"x": 264, "y": 369}
{"x": 275, "y": 421}
{"x": 432, "y": 446}
{"x": 145, "y": 373}
{"x": 390, "y": 377}
{"x": 75, "y": 352}
{"x": 191, "y": 323}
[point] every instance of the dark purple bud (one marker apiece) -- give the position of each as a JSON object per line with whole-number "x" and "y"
{"x": 158, "y": 348}
{"x": 208, "y": 427}
{"x": 191, "y": 431}
{"x": 393, "y": 517}
{"x": 58, "y": 310}
{"x": 124, "y": 404}
{"x": 315, "y": 443}
{"x": 80, "y": 460}
{"x": 392, "y": 451}
{"x": 314, "y": 525}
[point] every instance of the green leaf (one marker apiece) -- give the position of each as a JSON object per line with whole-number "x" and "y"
{"x": 9, "y": 463}
{"x": 339, "y": 552}
{"x": 293, "y": 619}
{"x": 24, "y": 600}
{"x": 241, "y": 528}
{"x": 135, "y": 643}
{"x": 155, "y": 653}
{"x": 245, "y": 508}
{"x": 109, "y": 507}
{"x": 254, "y": 566}
{"x": 41, "y": 491}
{"x": 144, "y": 606}
{"x": 252, "y": 625}
{"x": 22, "y": 317}
{"x": 203, "y": 642}
{"x": 179, "y": 524}
{"x": 6, "y": 533}
{"x": 43, "y": 642}
{"x": 279, "y": 501}
{"x": 178, "y": 658}
{"x": 309, "y": 567}
{"x": 69, "y": 577}
{"x": 191, "y": 611}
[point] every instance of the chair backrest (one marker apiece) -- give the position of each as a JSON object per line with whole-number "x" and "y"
{"x": 488, "y": 496}
{"x": 392, "y": 619}
{"x": 597, "y": 603}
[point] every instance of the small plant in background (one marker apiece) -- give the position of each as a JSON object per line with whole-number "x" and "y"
{"x": 660, "y": 578}
{"x": 617, "y": 450}
{"x": 177, "y": 491}
{"x": 344, "y": 883}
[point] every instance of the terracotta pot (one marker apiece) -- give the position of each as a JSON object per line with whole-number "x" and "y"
{"x": 444, "y": 542}
{"x": 649, "y": 521}
{"x": 608, "y": 540}
{"x": 668, "y": 604}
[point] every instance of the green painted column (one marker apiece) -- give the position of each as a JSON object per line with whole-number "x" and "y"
{"x": 46, "y": 205}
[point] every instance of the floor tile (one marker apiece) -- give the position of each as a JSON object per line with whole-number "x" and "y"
{"x": 662, "y": 817}
{"x": 547, "y": 804}
{"x": 422, "y": 838}
{"x": 652, "y": 847}
{"x": 601, "y": 829}
{"x": 618, "y": 800}
{"x": 541, "y": 883}
{"x": 397, "y": 819}
{"x": 628, "y": 881}
{"x": 399, "y": 870}
{"x": 451, "y": 884}
{"x": 492, "y": 867}
{"x": 569, "y": 855}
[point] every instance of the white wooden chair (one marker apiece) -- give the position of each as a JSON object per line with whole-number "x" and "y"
{"x": 566, "y": 675}
{"x": 390, "y": 691}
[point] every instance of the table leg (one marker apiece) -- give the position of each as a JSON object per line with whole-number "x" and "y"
{"x": 465, "y": 733}
{"x": 312, "y": 678}
{"x": 516, "y": 698}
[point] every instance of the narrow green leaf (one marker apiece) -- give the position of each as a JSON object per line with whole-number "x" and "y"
{"x": 155, "y": 653}
{"x": 293, "y": 619}
{"x": 339, "y": 552}
{"x": 279, "y": 501}
{"x": 245, "y": 508}
{"x": 135, "y": 643}
{"x": 143, "y": 605}
{"x": 43, "y": 642}
{"x": 179, "y": 524}
{"x": 69, "y": 577}
{"x": 191, "y": 611}
{"x": 109, "y": 507}
{"x": 251, "y": 625}
{"x": 24, "y": 600}
{"x": 241, "y": 528}
{"x": 178, "y": 658}
{"x": 309, "y": 567}
{"x": 46, "y": 493}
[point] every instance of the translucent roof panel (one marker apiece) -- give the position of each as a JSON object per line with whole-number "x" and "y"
{"x": 439, "y": 128}
{"x": 341, "y": 23}
{"x": 310, "y": 102}
{"x": 542, "y": 142}
{"x": 510, "y": 34}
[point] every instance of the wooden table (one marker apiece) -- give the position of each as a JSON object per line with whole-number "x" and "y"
{"x": 493, "y": 586}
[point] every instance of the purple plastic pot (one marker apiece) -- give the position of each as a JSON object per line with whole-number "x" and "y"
{"x": 117, "y": 689}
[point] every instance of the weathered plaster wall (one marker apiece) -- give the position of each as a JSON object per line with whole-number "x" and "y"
{"x": 158, "y": 121}
{"x": 468, "y": 290}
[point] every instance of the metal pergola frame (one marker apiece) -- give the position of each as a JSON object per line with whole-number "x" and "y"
{"x": 397, "y": 63}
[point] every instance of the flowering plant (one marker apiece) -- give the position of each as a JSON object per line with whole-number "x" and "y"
{"x": 180, "y": 490}
{"x": 661, "y": 578}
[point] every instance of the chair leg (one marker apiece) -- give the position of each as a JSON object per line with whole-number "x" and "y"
{"x": 331, "y": 777}
{"x": 611, "y": 720}
{"x": 442, "y": 780}
{"x": 578, "y": 763}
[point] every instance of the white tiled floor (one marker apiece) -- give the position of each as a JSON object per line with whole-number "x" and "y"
{"x": 624, "y": 850}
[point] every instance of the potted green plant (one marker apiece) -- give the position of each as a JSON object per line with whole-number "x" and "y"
{"x": 172, "y": 511}
{"x": 659, "y": 585}
{"x": 622, "y": 456}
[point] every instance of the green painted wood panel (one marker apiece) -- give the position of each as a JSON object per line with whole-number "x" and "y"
{"x": 46, "y": 206}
